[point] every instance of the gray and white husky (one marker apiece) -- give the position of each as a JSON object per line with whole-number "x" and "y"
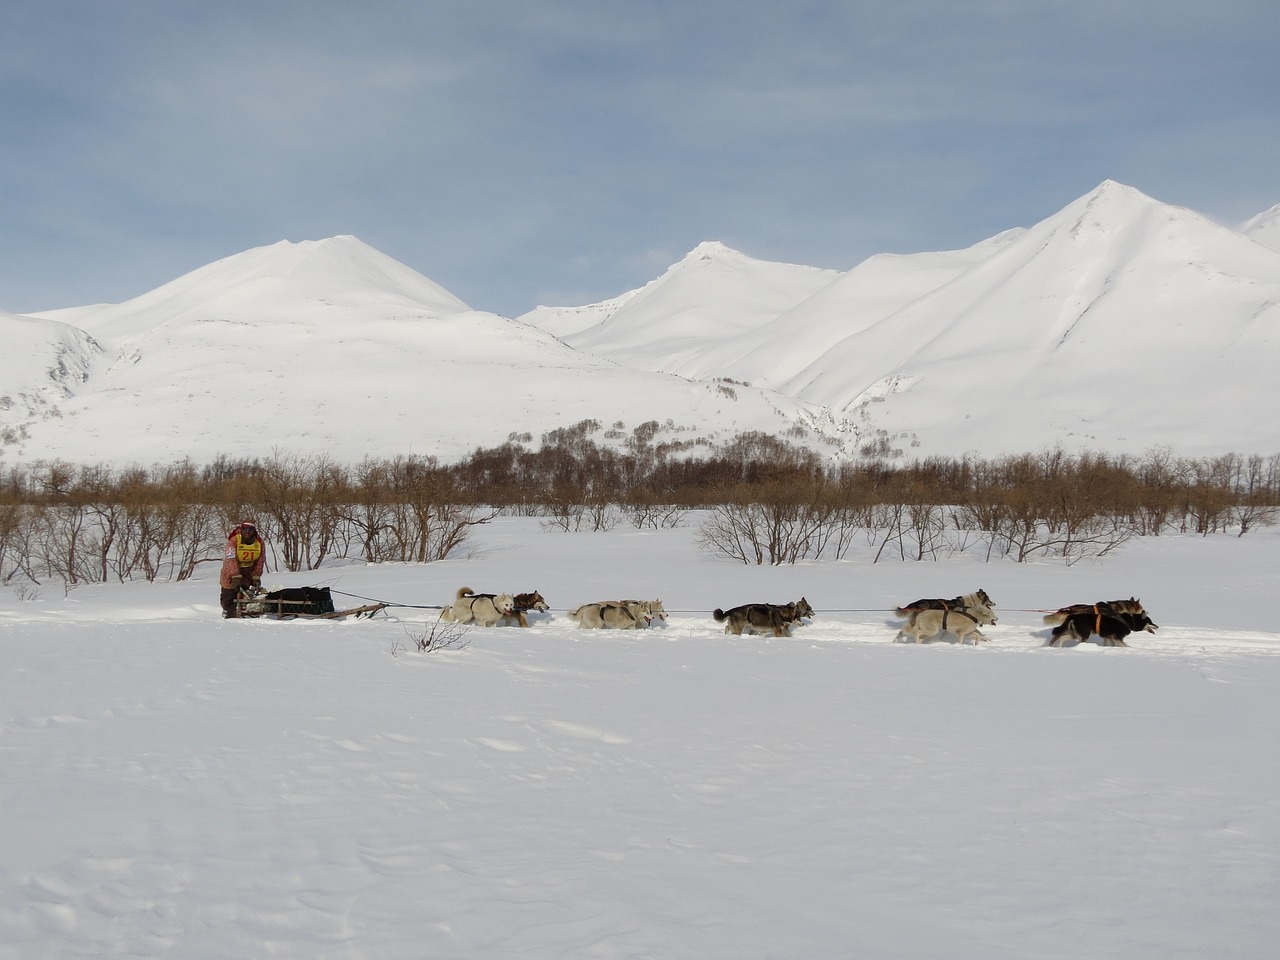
{"x": 652, "y": 608}
{"x": 611, "y": 614}
{"x": 775, "y": 618}
{"x": 979, "y": 598}
{"x": 961, "y": 623}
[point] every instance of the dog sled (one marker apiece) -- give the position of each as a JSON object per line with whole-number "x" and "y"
{"x": 300, "y": 603}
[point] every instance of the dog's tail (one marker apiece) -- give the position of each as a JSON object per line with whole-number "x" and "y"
{"x": 575, "y": 613}
{"x": 904, "y": 611}
{"x": 464, "y": 592}
{"x": 1057, "y": 618}
{"x": 719, "y": 614}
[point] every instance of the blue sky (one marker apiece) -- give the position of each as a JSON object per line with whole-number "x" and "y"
{"x": 564, "y": 151}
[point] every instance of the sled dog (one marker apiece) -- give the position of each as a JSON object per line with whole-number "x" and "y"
{"x": 524, "y": 602}
{"x": 652, "y": 608}
{"x": 483, "y": 609}
{"x": 979, "y": 598}
{"x": 962, "y": 624}
{"x": 1111, "y": 627}
{"x": 611, "y": 615}
{"x": 763, "y": 617}
{"x": 1108, "y": 607}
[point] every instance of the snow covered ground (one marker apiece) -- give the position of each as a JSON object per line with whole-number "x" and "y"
{"x": 176, "y": 785}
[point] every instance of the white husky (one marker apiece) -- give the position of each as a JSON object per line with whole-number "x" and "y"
{"x": 484, "y": 609}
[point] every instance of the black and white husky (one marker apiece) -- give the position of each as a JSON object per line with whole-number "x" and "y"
{"x": 1112, "y": 628}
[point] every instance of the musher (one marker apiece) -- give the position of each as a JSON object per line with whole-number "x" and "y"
{"x": 242, "y": 565}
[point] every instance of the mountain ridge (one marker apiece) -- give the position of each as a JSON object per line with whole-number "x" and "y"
{"x": 1085, "y": 330}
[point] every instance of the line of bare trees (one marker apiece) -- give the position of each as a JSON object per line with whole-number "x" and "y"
{"x": 761, "y": 501}
{"x": 79, "y": 524}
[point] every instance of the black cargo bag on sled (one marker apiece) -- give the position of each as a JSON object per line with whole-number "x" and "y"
{"x": 291, "y": 602}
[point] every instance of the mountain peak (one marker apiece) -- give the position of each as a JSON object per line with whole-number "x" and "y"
{"x": 709, "y": 249}
{"x": 279, "y": 278}
{"x": 1264, "y": 228}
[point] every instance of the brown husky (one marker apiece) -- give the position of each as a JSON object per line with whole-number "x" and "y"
{"x": 525, "y": 602}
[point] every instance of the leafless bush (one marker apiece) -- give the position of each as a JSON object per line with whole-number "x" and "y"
{"x": 567, "y": 517}
{"x": 436, "y": 636}
{"x": 656, "y": 516}
{"x": 771, "y": 532}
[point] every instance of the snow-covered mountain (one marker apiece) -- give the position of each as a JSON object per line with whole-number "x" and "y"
{"x": 330, "y": 346}
{"x": 695, "y": 318}
{"x": 1118, "y": 323}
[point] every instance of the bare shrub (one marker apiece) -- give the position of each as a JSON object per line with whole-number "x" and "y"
{"x": 656, "y": 516}
{"x": 437, "y": 635}
{"x": 774, "y": 532}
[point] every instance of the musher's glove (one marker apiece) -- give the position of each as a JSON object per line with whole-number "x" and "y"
{"x": 235, "y": 582}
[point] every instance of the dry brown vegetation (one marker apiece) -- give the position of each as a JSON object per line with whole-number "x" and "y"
{"x": 761, "y": 500}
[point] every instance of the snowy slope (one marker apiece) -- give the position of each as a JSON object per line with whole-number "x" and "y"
{"x": 778, "y": 352}
{"x": 566, "y": 321}
{"x": 1119, "y": 323}
{"x": 696, "y": 313}
{"x": 1264, "y": 228}
{"x": 42, "y": 363}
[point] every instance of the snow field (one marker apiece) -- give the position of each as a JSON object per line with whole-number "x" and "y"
{"x": 174, "y": 784}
